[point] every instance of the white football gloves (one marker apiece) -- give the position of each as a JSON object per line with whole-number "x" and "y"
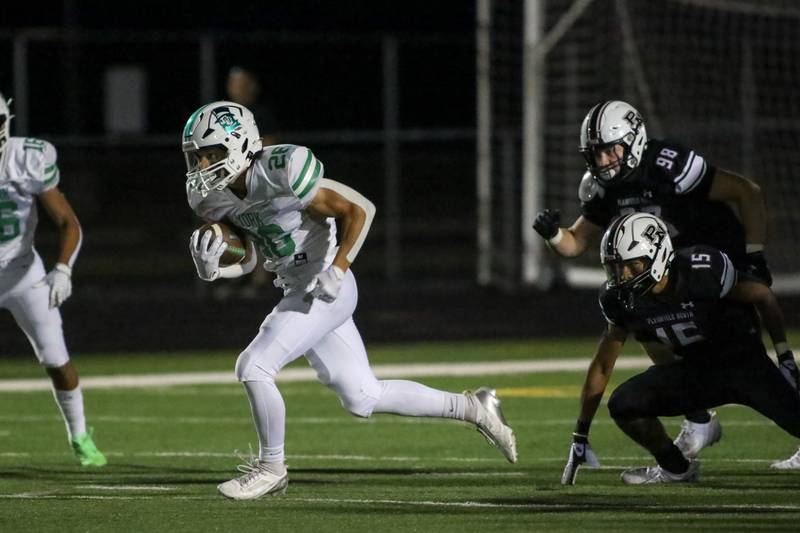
{"x": 206, "y": 254}
{"x": 580, "y": 452}
{"x": 60, "y": 282}
{"x": 328, "y": 284}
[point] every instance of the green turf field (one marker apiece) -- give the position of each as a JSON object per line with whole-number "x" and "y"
{"x": 169, "y": 447}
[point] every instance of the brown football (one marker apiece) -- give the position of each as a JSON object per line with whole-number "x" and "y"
{"x": 236, "y": 248}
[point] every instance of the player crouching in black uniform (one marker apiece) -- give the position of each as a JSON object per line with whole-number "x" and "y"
{"x": 694, "y": 301}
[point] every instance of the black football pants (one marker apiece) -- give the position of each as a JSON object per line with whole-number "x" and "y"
{"x": 746, "y": 378}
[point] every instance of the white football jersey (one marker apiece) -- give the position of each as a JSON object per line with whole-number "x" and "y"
{"x": 28, "y": 168}
{"x": 280, "y": 185}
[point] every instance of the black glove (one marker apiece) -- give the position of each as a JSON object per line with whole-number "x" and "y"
{"x": 788, "y": 368}
{"x": 580, "y": 452}
{"x": 757, "y": 267}
{"x": 547, "y": 223}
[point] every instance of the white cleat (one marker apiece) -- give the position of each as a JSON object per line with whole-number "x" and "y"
{"x": 694, "y": 437}
{"x": 492, "y": 424}
{"x": 792, "y": 463}
{"x": 255, "y": 483}
{"x": 650, "y": 475}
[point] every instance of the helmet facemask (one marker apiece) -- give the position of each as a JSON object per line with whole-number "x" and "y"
{"x": 631, "y": 278}
{"x": 617, "y": 170}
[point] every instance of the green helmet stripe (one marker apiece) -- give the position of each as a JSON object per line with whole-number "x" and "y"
{"x": 187, "y": 130}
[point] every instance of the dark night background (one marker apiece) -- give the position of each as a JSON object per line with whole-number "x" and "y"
{"x": 322, "y": 66}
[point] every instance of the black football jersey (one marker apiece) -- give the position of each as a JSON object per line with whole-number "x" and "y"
{"x": 672, "y": 182}
{"x": 692, "y": 314}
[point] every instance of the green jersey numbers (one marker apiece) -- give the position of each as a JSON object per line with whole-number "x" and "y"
{"x": 274, "y": 242}
{"x": 278, "y": 157}
{"x": 9, "y": 223}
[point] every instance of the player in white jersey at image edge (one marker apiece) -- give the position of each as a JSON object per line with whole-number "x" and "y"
{"x": 28, "y": 171}
{"x": 280, "y": 199}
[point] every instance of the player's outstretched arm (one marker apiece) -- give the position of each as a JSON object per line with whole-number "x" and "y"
{"x": 594, "y": 386}
{"x": 749, "y": 199}
{"x": 566, "y": 242}
{"x": 70, "y": 237}
{"x": 355, "y": 213}
{"x": 765, "y": 301}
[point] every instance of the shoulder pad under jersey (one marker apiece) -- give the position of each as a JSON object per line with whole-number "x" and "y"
{"x": 589, "y": 188}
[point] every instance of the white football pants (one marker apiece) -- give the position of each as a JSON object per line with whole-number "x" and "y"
{"x": 326, "y": 334}
{"x": 30, "y": 308}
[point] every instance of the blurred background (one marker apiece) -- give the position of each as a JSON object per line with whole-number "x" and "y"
{"x": 458, "y": 118}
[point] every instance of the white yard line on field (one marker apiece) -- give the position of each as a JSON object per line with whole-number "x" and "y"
{"x": 289, "y": 500}
{"x": 307, "y": 374}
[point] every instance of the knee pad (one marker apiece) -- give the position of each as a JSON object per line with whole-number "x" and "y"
{"x": 247, "y": 368}
{"x": 51, "y": 350}
{"x": 361, "y": 402}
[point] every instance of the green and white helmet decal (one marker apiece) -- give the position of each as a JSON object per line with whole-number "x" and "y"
{"x": 225, "y": 125}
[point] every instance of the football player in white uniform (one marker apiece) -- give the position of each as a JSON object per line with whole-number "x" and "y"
{"x": 279, "y": 197}
{"x": 28, "y": 171}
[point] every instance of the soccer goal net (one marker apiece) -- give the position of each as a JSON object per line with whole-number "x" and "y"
{"x": 720, "y": 76}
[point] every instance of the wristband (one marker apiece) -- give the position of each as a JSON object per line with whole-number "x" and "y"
{"x": 557, "y": 239}
{"x": 753, "y": 248}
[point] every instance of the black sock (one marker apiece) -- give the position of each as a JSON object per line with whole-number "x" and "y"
{"x": 673, "y": 460}
{"x": 699, "y": 417}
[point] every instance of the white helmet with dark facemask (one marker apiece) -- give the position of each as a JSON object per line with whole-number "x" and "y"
{"x": 224, "y": 125}
{"x": 608, "y": 124}
{"x": 5, "y": 123}
{"x": 636, "y": 253}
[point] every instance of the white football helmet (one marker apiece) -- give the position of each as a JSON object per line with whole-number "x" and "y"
{"x": 609, "y": 123}
{"x": 636, "y": 253}
{"x": 5, "y": 122}
{"x": 225, "y": 125}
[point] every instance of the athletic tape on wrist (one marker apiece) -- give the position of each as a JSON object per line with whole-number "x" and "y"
{"x": 557, "y": 239}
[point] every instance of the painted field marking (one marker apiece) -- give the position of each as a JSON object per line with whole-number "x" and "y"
{"x": 288, "y": 375}
{"x": 629, "y": 506}
{"x": 126, "y": 487}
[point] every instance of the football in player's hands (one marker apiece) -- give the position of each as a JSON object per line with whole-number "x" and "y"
{"x": 236, "y": 248}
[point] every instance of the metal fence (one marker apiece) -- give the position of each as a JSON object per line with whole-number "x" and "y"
{"x": 391, "y": 115}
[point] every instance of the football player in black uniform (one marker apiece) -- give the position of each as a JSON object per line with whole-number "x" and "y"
{"x": 693, "y": 301}
{"x": 627, "y": 173}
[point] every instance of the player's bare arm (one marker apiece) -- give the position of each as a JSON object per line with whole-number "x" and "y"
{"x": 597, "y": 377}
{"x": 353, "y": 210}
{"x": 600, "y": 370}
{"x": 747, "y": 196}
{"x": 765, "y": 301}
{"x": 566, "y": 242}
{"x": 60, "y": 211}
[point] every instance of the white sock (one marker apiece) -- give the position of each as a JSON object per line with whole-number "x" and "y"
{"x": 70, "y": 402}
{"x": 269, "y": 416}
{"x": 409, "y": 398}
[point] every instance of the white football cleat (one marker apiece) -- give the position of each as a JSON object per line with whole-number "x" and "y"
{"x": 694, "y": 437}
{"x": 492, "y": 424}
{"x": 792, "y": 463}
{"x": 256, "y": 482}
{"x": 649, "y": 475}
